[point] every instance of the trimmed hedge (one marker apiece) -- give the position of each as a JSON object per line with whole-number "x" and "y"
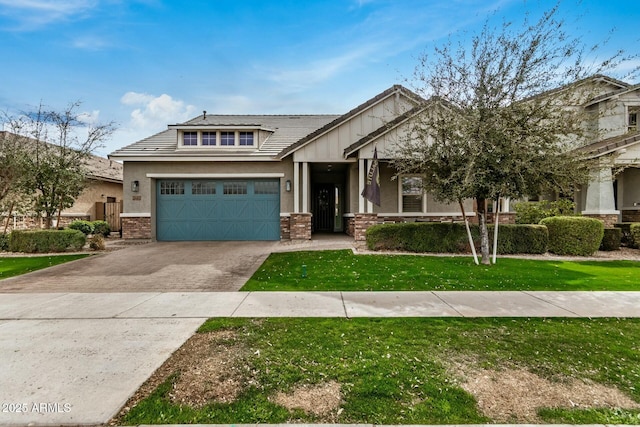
{"x": 85, "y": 226}
{"x": 102, "y": 228}
{"x": 574, "y": 235}
{"x": 635, "y": 235}
{"x": 43, "y": 241}
{"x": 4, "y": 242}
{"x": 452, "y": 237}
{"x": 533, "y": 212}
{"x": 611, "y": 239}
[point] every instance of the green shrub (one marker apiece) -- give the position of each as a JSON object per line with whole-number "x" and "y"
{"x": 4, "y": 242}
{"x": 634, "y": 230}
{"x": 43, "y": 241}
{"x": 611, "y": 239}
{"x": 452, "y": 238}
{"x": 520, "y": 238}
{"x": 574, "y": 235}
{"x": 85, "y": 226}
{"x": 533, "y": 212}
{"x": 102, "y": 228}
{"x": 627, "y": 238}
{"x": 96, "y": 242}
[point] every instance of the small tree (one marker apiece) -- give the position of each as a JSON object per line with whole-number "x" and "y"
{"x": 58, "y": 145}
{"x": 495, "y": 127}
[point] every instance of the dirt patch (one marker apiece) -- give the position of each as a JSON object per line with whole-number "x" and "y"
{"x": 515, "y": 395}
{"x": 320, "y": 399}
{"x": 210, "y": 367}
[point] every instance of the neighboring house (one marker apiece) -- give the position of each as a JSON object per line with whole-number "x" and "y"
{"x": 271, "y": 177}
{"x": 101, "y": 199}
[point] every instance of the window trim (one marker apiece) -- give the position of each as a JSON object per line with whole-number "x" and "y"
{"x": 400, "y": 195}
{"x": 218, "y": 139}
{"x": 636, "y": 109}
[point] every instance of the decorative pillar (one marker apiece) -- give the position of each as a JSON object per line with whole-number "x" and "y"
{"x": 296, "y": 187}
{"x": 361, "y": 223}
{"x": 362, "y": 167}
{"x": 305, "y": 187}
{"x": 300, "y": 226}
{"x": 600, "y": 202}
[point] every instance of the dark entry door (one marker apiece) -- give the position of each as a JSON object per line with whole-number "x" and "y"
{"x": 323, "y": 207}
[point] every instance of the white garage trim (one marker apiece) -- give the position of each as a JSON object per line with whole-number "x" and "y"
{"x": 216, "y": 175}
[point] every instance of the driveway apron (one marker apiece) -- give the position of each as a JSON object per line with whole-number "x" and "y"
{"x": 74, "y": 361}
{"x": 152, "y": 267}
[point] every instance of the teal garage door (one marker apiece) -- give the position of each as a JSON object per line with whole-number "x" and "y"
{"x": 218, "y": 209}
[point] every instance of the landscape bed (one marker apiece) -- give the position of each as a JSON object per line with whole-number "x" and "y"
{"x": 398, "y": 371}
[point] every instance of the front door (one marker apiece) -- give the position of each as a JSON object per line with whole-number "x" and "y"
{"x": 323, "y": 207}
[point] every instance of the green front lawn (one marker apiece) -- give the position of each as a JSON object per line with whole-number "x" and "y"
{"x": 343, "y": 271}
{"x": 408, "y": 371}
{"x": 15, "y": 266}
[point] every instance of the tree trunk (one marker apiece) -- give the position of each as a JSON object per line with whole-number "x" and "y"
{"x": 484, "y": 233}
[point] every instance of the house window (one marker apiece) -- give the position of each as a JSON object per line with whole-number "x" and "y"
{"x": 208, "y": 187}
{"x": 266, "y": 187}
{"x": 230, "y": 188}
{"x": 208, "y": 138}
{"x": 227, "y": 138}
{"x": 632, "y": 118}
{"x": 246, "y": 138}
{"x": 171, "y": 187}
{"x": 190, "y": 138}
{"x": 412, "y": 193}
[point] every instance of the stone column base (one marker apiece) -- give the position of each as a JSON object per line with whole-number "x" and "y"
{"x": 362, "y": 221}
{"x": 300, "y": 226}
{"x": 136, "y": 227}
{"x": 609, "y": 219}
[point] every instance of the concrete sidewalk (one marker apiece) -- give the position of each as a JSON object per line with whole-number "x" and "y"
{"x": 75, "y": 358}
{"x": 202, "y": 305}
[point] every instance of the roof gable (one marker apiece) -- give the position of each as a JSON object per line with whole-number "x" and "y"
{"x": 396, "y": 90}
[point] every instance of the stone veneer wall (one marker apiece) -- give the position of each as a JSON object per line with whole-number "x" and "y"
{"x": 351, "y": 226}
{"x": 609, "y": 219}
{"x": 285, "y": 228}
{"x": 136, "y": 227}
{"x": 300, "y": 226}
{"x": 631, "y": 216}
{"x": 362, "y": 221}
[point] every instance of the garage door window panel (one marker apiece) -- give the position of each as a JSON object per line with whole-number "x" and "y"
{"x": 203, "y": 188}
{"x": 234, "y": 188}
{"x": 168, "y": 188}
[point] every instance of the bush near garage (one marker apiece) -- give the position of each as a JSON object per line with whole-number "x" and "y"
{"x": 634, "y": 230}
{"x": 611, "y": 239}
{"x": 85, "y": 226}
{"x": 102, "y": 228}
{"x": 44, "y": 241}
{"x": 4, "y": 242}
{"x": 574, "y": 235}
{"x": 435, "y": 237}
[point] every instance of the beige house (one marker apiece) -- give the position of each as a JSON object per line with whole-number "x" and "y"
{"x": 262, "y": 177}
{"x": 100, "y": 200}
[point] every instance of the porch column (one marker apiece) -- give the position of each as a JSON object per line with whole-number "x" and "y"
{"x": 362, "y": 166}
{"x": 296, "y": 187}
{"x": 305, "y": 187}
{"x": 600, "y": 202}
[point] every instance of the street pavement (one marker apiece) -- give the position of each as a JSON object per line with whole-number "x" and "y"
{"x": 74, "y": 358}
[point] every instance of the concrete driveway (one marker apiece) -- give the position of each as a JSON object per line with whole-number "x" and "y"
{"x": 152, "y": 267}
{"x": 65, "y": 358}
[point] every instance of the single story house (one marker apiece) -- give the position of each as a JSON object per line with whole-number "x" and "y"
{"x": 271, "y": 177}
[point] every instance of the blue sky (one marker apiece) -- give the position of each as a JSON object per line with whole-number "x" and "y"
{"x": 148, "y": 63}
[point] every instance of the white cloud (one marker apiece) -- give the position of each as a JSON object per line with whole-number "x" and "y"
{"x": 32, "y": 14}
{"x": 156, "y": 112}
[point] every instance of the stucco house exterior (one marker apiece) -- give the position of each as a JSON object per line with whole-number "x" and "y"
{"x": 271, "y": 177}
{"x": 100, "y": 200}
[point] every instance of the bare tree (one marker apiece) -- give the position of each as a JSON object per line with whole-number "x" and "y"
{"x": 58, "y": 143}
{"x": 505, "y": 115}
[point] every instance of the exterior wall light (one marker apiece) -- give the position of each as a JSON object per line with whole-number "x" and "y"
{"x": 135, "y": 186}
{"x": 287, "y": 185}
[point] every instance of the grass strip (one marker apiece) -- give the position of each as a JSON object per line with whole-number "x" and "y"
{"x": 406, "y": 371}
{"x": 341, "y": 270}
{"x": 15, "y": 266}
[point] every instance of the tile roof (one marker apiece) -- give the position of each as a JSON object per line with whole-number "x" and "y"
{"x": 609, "y": 145}
{"x": 287, "y": 129}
